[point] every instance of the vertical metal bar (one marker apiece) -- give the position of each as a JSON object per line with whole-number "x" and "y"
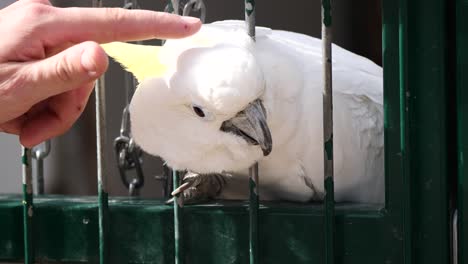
{"x": 101, "y": 166}
{"x": 328, "y": 132}
{"x": 250, "y": 17}
{"x": 455, "y": 237}
{"x": 130, "y": 81}
{"x": 40, "y": 176}
{"x": 168, "y": 181}
{"x": 461, "y": 57}
{"x": 28, "y": 209}
{"x": 101, "y": 162}
{"x": 253, "y": 171}
{"x": 173, "y": 6}
{"x": 253, "y": 214}
{"x": 178, "y": 247}
{"x": 404, "y": 135}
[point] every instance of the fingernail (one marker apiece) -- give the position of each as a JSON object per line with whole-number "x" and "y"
{"x": 191, "y": 20}
{"x": 87, "y": 61}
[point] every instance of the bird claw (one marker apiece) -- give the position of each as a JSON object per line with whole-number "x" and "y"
{"x": 181, "y": 188}
{"x": 198, "y": 188}
{"x": 180, "y": 201}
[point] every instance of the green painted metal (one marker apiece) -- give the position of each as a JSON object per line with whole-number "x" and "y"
{"x": 428, "y": 130}
{"x": 178, "y": 220}
{"x": 141, "y": 231}
{"x": 404, "y": 125}
{"x": 249, "y": 7}
{"x": 28, "y": 209}
{"x": 462, "y": 118}
{"x": 326, "y": 13}
{"x": 417, "y": 183}
{"x": 103, "y": 218}
{"x": 329, "y": 208}
{"x": 170, "y": 8}
{"x": 327, "y": 99}
{"x": 253, "y": 215}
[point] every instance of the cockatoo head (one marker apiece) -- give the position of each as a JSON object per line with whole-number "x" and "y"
{"x": 198, "y": 104}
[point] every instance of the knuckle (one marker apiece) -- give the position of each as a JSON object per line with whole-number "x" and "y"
{"x": 13, "y": 93}
{"x": 38, "y": 11}
{"x": 10, "y": 86}
{"x": 116, "y": 17}
{"x": 35, "y": 16}
{"x": 63, "y": 71}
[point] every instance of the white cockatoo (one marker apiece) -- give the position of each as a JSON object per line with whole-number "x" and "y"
{"x": 217, "y": 102}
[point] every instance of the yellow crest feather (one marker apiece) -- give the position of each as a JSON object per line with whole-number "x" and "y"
{"x": 143, "y": 61}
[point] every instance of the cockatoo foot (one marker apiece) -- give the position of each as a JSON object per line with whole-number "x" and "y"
{"x": 197, "y": 188}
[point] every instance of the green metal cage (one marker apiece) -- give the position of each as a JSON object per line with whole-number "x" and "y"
{"x": 426, "y": 106}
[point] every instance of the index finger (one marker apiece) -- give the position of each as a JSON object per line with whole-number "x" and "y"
{"x": 115, "y": 24}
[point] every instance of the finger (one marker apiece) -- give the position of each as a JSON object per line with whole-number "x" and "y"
{"x": 115, "y": 24}
{"x": 62, "y": 72}
{"x": 13, "y": 126}
{"x": 54, "y": 120}
{"x": 53, "y": 50}
{"x": 37, "y": 1}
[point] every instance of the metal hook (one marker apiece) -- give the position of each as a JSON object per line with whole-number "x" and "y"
{"x": 39, "y": 154}
{"x": 195, "y": 5}
{"x": 191, "y": 5}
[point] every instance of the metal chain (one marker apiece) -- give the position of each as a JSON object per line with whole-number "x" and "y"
{"x": 127, "y": 153}
{"x": 128, "y": 156}
{"x": 39, "y": 154}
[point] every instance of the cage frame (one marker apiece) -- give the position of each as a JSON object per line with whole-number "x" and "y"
{"x": 412, "y": 227}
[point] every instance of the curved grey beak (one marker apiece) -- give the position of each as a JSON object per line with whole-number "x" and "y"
{"x": 251, "y": 125}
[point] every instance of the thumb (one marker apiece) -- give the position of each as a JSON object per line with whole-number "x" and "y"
{"x": 67, "y": 70}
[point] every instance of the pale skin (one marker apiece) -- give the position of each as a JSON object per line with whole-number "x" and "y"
{"x": 50, "y": 58}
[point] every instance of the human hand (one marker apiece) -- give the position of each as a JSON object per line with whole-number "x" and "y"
{"x": 50, "y": 58}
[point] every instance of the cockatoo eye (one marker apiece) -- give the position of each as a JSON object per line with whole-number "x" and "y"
{"x": 203, "y": 114}
{"x": 198, "y": 111}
